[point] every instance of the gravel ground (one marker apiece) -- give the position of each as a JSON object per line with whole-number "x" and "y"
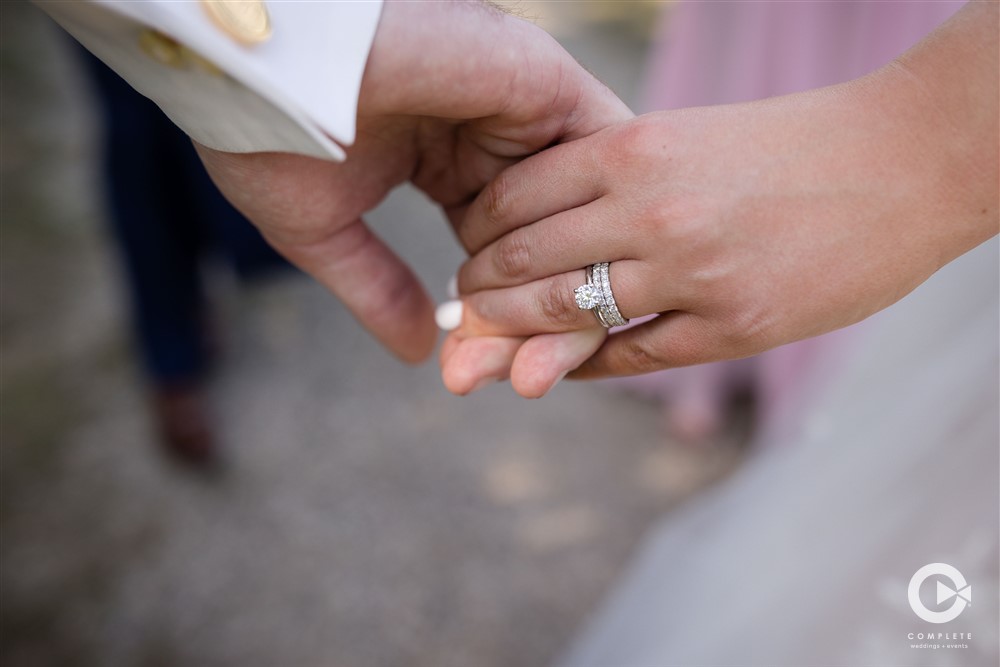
{"x": 365, "y": 516}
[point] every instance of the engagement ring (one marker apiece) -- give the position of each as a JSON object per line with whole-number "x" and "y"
{"x": 596, "y": 295}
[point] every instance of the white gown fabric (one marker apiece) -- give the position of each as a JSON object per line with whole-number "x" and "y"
{"x": 803, "y": 557}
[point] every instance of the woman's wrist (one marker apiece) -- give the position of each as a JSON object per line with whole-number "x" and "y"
{"x": 943, "y": 95}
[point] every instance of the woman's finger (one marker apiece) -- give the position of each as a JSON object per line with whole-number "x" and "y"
{"x": 559, "y": 178}
{"x": 549, "y": 305}
{"x": 673, "y": 339}
{"x": 560, "y": 243}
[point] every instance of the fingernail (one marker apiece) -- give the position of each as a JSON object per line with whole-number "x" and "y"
{"x": 452, "y": 288}
{"x": 485, "y": 382}
{"x": 449, "y": 315}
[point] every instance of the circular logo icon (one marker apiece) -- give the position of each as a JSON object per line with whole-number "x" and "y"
{"x": 960, "y": 590}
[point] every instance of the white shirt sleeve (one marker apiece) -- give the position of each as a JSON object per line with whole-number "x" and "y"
{"x": 297, "y": 92}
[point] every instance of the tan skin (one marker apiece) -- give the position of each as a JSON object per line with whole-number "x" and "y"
{"x": 452, "y": 94}
{"x": 745, "y": 226}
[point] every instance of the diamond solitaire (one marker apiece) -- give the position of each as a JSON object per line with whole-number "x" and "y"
{"x": 588, "y": 297}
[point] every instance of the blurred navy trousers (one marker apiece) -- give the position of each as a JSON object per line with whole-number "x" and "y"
{"x": 166, "y": 216}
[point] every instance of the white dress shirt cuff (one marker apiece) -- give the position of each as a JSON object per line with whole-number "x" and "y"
{"x": 297, "y": 92}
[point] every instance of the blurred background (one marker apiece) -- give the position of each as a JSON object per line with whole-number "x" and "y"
{"x": 354, "y": 512}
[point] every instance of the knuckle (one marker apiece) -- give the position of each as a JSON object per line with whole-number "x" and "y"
{"x": 681, "y": 216}
{"x": 513, "y": 256}
{"x": 746, "y": 331}
{"x": 557, "y": 307}
{"x": 398, "y": 303}
{"x": 394, "y": 298}
{"x": 682, "y": 220}
{"x": 496, "y": 200}
{"x": 638, "y": 143}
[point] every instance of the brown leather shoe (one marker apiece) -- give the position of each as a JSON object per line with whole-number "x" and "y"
{"x": 185, "y": 427}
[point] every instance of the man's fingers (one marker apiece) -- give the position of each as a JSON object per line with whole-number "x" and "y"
{"x": 673, "y": 339}
{"x": 472, "y": 363}
{"x": 377, "y": 287}
{"x": 491, "y": 64}
{"x": 542, "y": 361}
{"x": 534, "y": 365}
{"x": 560, "y": 178}
{"x": 448, "y": 347}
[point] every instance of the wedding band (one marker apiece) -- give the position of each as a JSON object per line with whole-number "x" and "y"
{"x": 609, "y": 309}
{"x": 596, "y": 295}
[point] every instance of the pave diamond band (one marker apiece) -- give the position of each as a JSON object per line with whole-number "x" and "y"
{"x": 609, "y": 309}
{"x": 596, "y": 295}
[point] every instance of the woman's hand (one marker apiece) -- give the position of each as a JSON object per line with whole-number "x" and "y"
{"x": 745, "y": 227}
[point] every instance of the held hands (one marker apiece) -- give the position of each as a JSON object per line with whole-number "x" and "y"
{"x": 453, "y": 93}
{"x": 744, "y": 227}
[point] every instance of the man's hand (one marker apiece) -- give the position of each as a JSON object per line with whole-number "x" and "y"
{"x": 453, "y": 93}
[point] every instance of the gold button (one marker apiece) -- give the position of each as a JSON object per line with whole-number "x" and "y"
{"x": 161, "y": 48}
{"x": 246, "y": 21}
